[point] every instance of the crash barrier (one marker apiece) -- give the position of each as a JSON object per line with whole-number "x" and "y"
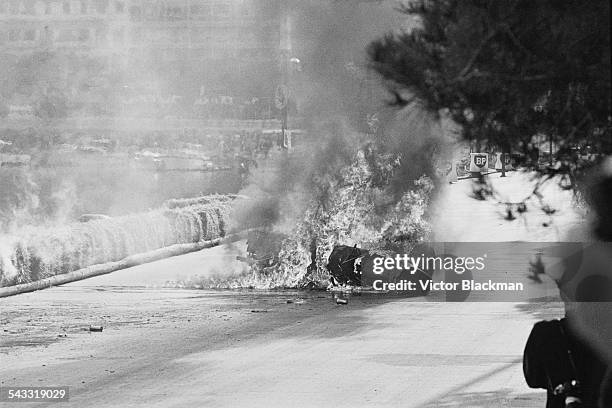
{"x": 96, "y": 270}
{"x": 44, "y": 254}
{"x": 187, "y": 202}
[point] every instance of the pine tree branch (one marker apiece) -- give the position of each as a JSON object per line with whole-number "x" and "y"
{"x": 520, "y": 78}
{"x": 506, "y": 28}
{"x": 582, "y": 122}
{"x": 475, "y": 55}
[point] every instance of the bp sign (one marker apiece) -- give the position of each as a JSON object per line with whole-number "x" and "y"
{"x": 479, "y": 162}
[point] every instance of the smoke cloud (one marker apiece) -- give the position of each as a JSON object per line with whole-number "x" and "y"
{"x": 345, "y": 109}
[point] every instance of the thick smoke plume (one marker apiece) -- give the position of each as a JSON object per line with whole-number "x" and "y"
{"x": 344, "y": 105}
{"x": 363, "y": 170}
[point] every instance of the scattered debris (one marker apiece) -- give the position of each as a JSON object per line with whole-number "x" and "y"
{"x": 548, "y": 210}
{"x": 311, "y": 286}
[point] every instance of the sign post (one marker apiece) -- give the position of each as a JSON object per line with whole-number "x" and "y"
{"x": 452, "y": 176}
{"x": 281, "y": 99}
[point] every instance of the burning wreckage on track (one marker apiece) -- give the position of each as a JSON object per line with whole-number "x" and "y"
{"x": 349, "y": 267}
{"x": 354, "y": 267}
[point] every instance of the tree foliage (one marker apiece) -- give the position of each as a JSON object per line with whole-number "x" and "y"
{"x": 506, "y": 71}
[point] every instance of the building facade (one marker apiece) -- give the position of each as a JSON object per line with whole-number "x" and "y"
{"x": 143, "y": 57}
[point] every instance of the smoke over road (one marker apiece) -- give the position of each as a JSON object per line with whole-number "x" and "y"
{"x": 363, "y": 165}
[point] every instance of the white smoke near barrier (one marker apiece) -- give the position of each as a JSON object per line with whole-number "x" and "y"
{"x": 30, "y": 198}
{"x": 118, "y": 75}
{"x": 336, "y": 93}
{"x": 41, "y": 253}
{"x": 8, "y": 271}
{"x": 18, "y": 199}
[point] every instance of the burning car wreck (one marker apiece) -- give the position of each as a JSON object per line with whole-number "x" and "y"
{"x": 344, "y": 265}
{"x": 354, "y": 267}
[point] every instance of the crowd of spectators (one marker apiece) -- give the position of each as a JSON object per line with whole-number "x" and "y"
{"x": 227, "y": 147}
{"x": 204, "y": 107}
{"x": 253, "y": 144}
{"x": 215, "y": 107}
